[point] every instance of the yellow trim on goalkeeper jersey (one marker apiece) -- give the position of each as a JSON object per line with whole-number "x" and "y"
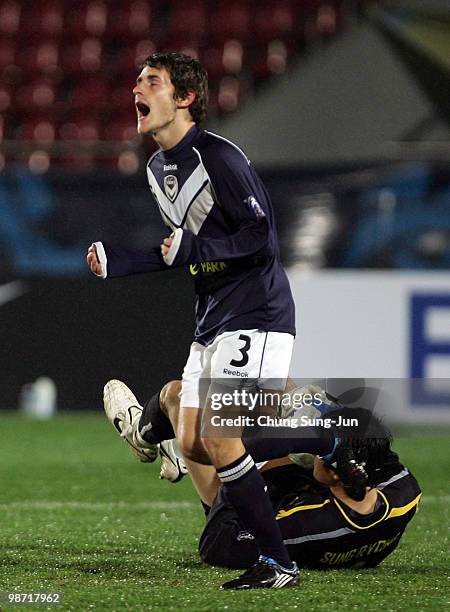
{"x": 401, "y": 510}
{"x": 284, "y": 513}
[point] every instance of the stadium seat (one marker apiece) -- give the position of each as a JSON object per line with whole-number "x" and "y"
{"x": 86, "y": 132}
{"x": 46, "y": 20}
{"x": 326, "y": 21}
{"x": 5, "y": 98}
{"x": 38, "y": 98}
{"x": 87, "y": 19}
{"x": 188, "y": 22}
{"x": 41, "y": 131}
{"x": 6, "y": 113}
{"x": 271, "y": 60}
{"x": 132, "y": 20}
{"x": 212, "y": 60}
{"x": 82, "y": 135}
{"x": 82, "y": 58}
{"x": 213, "y": 103}
{"x": 311, "y": 6}
{"x": 7, "y": 53}
{"x": 130, "y": 57}
{"x": 91, "y": 94}
{"x": 233, "y": 56}
{"x": 228, "y": 58}
{"x": 10, "y": 13}
{"x": 80, "y": 129}
{"x": 229, "y": 94}
{"x": 41, "y": 59}
{"x": 121, "y": 98}
{"x": 320, "y": 19}
{"x": 123, "y": 128}
{"x": 274, "y": 20}
{"x": 190, "y": 47}
{"x": 231, "y": 20}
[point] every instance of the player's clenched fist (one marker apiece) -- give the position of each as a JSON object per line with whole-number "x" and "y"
{"x": 167, "y": 242}
{"x": 93, "y": 261}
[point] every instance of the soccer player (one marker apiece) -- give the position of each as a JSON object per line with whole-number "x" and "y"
{"x": 322, "y": 524}
{"x": 221, "y": 218}
{"x": 349, "y": 511}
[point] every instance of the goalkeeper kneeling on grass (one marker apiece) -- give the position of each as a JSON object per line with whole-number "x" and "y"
{"x": 345, "y": 509}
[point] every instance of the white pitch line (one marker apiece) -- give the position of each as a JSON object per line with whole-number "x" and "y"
{"x": 146, "y": 505}
{"x": 81, "y": 505}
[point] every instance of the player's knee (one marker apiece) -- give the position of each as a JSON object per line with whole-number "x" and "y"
{"x": 170, "y": 394}
{"x": 190, "y": 447}
{"x": 220, "y": 546}
{"x": 223, "y": 450}
{"x": 213, "y": 446}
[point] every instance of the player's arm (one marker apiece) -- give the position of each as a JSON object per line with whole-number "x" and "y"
{"x": 185, "y": 247}
{"x": 109, "y": 261}
{"x": 245, "y": 206}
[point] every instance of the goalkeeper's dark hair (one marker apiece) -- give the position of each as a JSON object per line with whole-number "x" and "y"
{"x": 370, "y": 440}
{"x": 187, "y": 75}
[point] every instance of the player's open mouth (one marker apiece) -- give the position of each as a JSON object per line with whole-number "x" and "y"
{"x": 142, "y": 110}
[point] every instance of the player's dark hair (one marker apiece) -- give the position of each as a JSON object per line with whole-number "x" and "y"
{"x": 362, "y": 450}
{"x": 186, "y": 75}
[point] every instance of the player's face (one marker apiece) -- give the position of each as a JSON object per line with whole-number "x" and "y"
{"x": 153, "y": 97}
{"x": 324, "y": 474}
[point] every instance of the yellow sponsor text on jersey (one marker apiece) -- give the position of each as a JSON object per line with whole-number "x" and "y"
{"x": 207, "y": 267}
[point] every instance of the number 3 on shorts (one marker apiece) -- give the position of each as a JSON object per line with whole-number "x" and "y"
{"x": 244, "y": 350}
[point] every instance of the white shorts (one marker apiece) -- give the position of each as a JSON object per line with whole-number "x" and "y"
{"x": 237, "y": 355}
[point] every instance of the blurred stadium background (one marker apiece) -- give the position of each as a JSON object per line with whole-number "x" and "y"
{"x": 344, "y": 108}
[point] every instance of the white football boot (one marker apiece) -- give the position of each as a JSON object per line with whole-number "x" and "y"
{"x": 173, "y": 467}
{"x": 124, "y": 412}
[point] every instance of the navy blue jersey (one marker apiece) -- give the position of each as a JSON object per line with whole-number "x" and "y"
{"x": 220, "y": 213}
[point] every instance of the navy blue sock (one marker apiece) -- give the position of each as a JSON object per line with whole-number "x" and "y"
{"x": 245, "y": 489}
{"x": 274, "y": 446}
{"x": 154, "y": 425}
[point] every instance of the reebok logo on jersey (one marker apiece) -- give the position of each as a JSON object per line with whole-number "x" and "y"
{"x": 171, "y": 186}
{"x": 170, "y": 167}
{"x": 255, "y": 206}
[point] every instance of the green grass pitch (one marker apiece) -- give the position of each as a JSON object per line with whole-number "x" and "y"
{"x": 80, "y": 516}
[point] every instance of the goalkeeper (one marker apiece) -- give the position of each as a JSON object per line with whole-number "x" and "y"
{"x": 345, "y": 509}
{"x": 322, "y": 524}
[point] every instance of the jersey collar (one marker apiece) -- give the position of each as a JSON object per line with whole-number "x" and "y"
{"x": 187, "y": 139}
{"x": 364, "y": 521}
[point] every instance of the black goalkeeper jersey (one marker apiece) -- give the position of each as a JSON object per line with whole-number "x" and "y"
{"x": 320, "y": 531}
{"x": 220, "y": 213}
